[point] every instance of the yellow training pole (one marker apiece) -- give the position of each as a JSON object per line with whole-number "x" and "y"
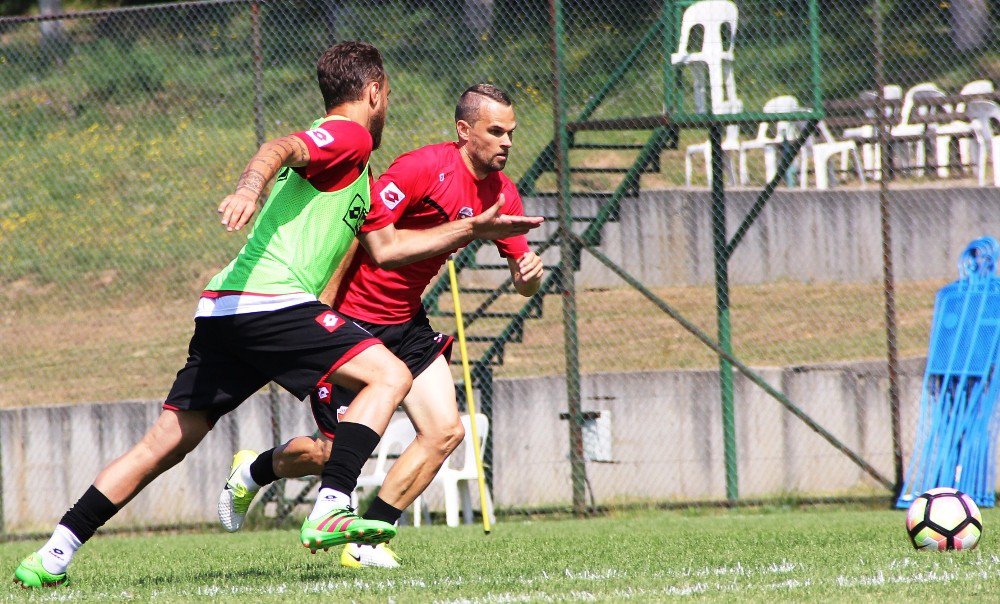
{"x": 470, "y": 402}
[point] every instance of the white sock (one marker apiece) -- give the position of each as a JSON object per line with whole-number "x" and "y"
{"x": 58, "y": 551}
{"x": 247, "y": 478}
{"x": 326, "y": 500}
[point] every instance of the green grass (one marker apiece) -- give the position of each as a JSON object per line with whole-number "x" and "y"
{"x": 825, "y": 554}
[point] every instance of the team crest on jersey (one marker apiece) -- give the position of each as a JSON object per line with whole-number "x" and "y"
{"x": 465, "y": 212}
{"x": 319, "y": 136}
{"x": 356, "y": 213}
{"x": 330, "y": 321}
{"x": 391, "y": 195}
{"x": 324, "y": 392}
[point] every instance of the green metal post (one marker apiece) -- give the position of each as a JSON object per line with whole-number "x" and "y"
{"x": 817, "y": 82}
{"x": 669, "y": 47}
{"x": 720, "y": 255}
{"x": 569, "y": 254}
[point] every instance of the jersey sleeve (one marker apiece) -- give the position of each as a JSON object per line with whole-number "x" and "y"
{"x": 338, "y": 151}
{"x": 405, "y": 182}
{"x": 517, "y": 246}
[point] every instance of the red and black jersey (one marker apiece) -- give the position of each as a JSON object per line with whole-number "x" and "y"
{"x": 338, "y": 153}
{"x": 421, "y": 189}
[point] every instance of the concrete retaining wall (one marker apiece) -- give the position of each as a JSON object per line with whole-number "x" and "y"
{"x": 665, "y": 238}
{"x": 665, "y": 427}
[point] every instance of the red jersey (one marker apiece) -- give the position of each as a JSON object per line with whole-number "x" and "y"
{"x": 338, "y": 153}
{"x": 421, "y": 189}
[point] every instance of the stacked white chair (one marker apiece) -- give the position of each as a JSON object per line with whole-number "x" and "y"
{"x": 983, "y": 115}
{"x": 459, "y": 473}
{"x": 711, "y": 68}
{"x": 871, "y": 154}
{"x": 914, "y": 152}
{"x": 770, "y": 137}
{"x": 962, "y": 131}
{"x": 398, "y": 435}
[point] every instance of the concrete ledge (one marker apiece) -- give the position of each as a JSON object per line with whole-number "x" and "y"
{"x": 665, "y": 428}
{"x": 664, "y": 238}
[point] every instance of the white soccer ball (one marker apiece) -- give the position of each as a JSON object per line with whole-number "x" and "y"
{"x": 944, "y": 519}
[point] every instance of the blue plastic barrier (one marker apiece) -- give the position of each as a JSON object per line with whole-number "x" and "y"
{"x": 957, "y": 429}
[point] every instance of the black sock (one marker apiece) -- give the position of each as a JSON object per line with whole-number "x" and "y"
{"x": 380, "y": 510}
{"x": 262, "y": 468}
{"x": 351, "y": 449}
{"x": 88, "y": 514}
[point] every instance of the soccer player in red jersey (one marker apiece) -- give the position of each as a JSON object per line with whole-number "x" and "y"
{"x": 422, "y": 189}
{"x": 260, "y": 318}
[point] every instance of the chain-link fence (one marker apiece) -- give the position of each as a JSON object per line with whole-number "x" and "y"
{"x": 805, "y": 252}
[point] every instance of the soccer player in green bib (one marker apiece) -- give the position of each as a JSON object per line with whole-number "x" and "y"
{"x": 260, "y": 318}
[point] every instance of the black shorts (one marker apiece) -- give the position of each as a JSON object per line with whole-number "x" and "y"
{"x": 230, "y": 358}
{"x": 414, "y": 342}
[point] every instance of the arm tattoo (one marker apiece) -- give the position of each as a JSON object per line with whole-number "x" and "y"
{"x": 252, "y": 180}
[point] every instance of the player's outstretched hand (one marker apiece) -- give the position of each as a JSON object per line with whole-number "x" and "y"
{"x": 529, "y": 269}
{"x": 493, "y": 224}
{"x": 237, "y": 210}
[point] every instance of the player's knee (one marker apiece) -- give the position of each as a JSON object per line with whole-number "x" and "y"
{"x": 397, "y": 378}
{"x": 446, "y": 440}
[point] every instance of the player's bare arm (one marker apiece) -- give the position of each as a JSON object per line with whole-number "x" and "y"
{"x": 526, "y": 273}
{"x": 237, "y": 208}
{"x": 330, "y": 292}
{"x": 391, "y": 248}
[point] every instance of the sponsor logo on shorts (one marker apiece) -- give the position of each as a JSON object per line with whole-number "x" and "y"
{"x": 319, "y": 136}
{"x": 465, "y": 212}
{"x": 391, "y": 195}
{"x": 324, "y": 392}
{"x": 329, "y": 321}
{"x": 341, "y": 411}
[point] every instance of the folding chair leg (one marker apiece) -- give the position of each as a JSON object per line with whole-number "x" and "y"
{"x": 942, "y": 148}
{"x": 822, "y": 177}
{"x": 995, "y": 152}
{"x": 451, "y": 502}
{"x": 463, "y": 492}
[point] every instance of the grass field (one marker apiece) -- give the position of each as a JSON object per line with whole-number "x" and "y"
{"x": 773, "y": 554}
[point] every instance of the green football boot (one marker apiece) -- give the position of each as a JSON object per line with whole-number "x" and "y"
{"x": 342, "y": 526}
{"x": 235, "y": 498}
{"x": 31, "y": 573}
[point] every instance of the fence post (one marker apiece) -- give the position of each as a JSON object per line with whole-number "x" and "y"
{"x": 721, "y": 258}
{"x": 568, "y": 252}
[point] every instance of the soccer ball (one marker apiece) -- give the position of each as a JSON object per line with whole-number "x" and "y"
{"x": 943, "y": 519}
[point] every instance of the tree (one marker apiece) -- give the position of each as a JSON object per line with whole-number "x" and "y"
{"x": 970, "y": 21}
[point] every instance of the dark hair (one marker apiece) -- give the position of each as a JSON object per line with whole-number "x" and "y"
{"x": 472, "y": 99}
{"x": 345, "y": 69}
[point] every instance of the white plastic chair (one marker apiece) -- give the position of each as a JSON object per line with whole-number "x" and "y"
{"x": 455, "y": 481}
{"x": 770, "y": 137}
{"x": 987, "y": 141}
{"x": 398, "y": 435}
{"x": 730, "y": 148}
{"x": 959, "y": 130}
{"x": 915, "y": 152}
{"x": 714, "y": 60}
{"x": 871, "y": 154}
{"x": 822, "y": 152}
